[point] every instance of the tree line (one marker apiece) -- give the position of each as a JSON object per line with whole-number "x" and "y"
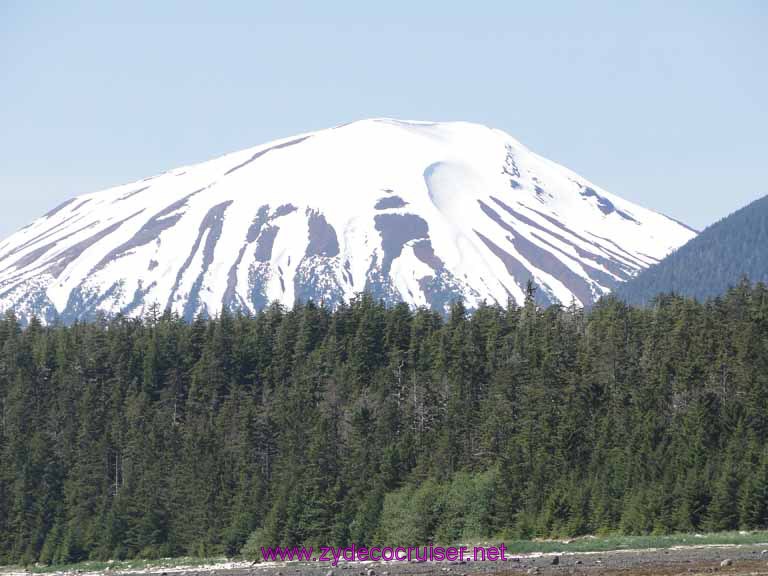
{"x": 379, "y": 425}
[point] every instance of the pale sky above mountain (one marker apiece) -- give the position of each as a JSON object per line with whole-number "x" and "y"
{"x": 662, "y": 103}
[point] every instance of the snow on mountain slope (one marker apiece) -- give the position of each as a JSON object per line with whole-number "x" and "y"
{"x": 415, "y": 211}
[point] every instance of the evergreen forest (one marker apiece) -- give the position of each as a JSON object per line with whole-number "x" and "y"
{"x": 155, "y": 437}
{"x": 711, "y": 262}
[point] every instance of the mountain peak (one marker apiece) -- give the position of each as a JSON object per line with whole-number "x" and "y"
{"x": 423, "y": 212}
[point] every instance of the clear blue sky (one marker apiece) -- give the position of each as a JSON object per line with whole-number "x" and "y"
{"x": 662, "y": 102}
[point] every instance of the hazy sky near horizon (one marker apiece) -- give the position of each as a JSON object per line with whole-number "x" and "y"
{"x": 663, "y": 103}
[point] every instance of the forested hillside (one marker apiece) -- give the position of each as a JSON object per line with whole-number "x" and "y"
{"x": 149, "y": 438}
{"x": 705, "y": 267}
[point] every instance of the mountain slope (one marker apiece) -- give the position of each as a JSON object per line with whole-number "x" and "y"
{"x": 415, "y": 211}
{"x": 705, "y": 267}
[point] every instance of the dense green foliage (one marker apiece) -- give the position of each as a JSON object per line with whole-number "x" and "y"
{"x": 155, "y": 437}
{"x": 709, "y": 264}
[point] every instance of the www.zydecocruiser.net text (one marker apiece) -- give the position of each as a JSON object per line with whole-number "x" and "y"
{"x": 333, "y": 555}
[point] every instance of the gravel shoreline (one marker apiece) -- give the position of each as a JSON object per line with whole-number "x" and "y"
{"x": 749, "y": 559}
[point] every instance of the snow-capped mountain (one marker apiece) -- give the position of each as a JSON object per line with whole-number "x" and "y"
{"x": 414, "y": 211}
